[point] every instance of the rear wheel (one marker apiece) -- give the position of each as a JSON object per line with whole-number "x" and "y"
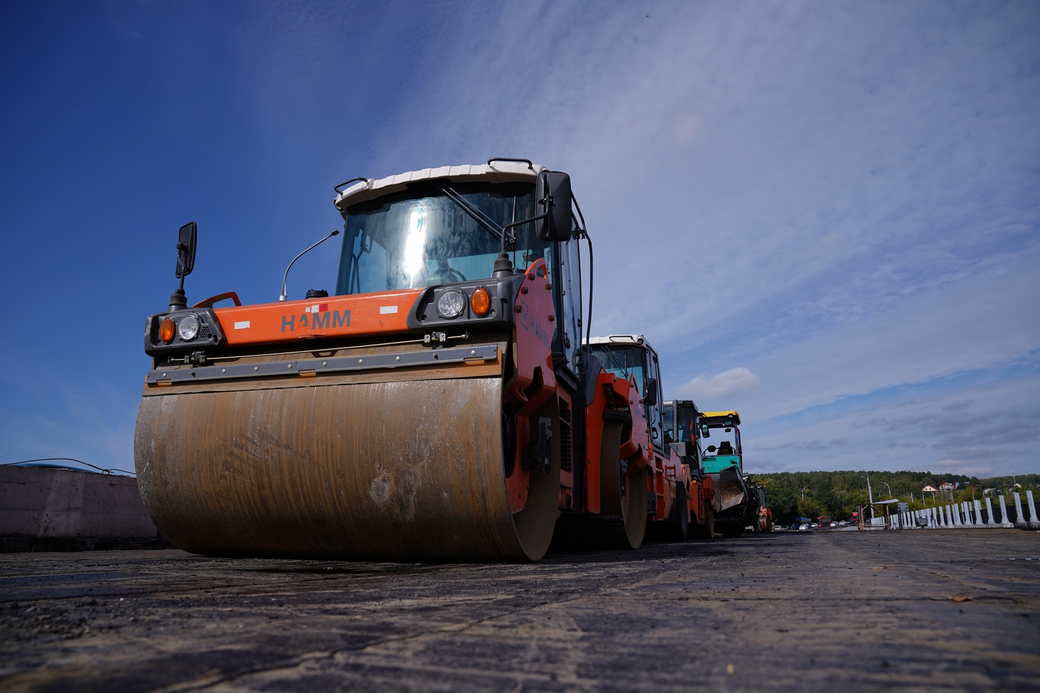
{"x": 633, "y": 510}
{"x": 680, "y": 519}
{"x": 731, "y": 529}
{"x": 706, "y": 529}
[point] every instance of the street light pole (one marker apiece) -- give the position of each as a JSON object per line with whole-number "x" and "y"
{"x": 870, "y": 497}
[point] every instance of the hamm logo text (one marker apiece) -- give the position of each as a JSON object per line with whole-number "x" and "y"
{"x": 316, "y": 319}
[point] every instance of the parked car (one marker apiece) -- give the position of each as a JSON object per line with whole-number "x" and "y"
{"x": 803, "y": 527}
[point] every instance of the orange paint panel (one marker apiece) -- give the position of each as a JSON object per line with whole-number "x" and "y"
{"x": 355, "y": 315}
{"x": 594, "y": 440}
{"x": 534, "y": 378}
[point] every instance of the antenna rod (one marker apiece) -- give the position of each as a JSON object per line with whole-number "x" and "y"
{"x": 330, "y": 234}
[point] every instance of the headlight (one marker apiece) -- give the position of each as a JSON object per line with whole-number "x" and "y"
{"x": 188, "y": 327}
{"x": 451, "y": 304}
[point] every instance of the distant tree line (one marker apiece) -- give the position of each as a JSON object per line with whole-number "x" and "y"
{"x": 792, "y": 495}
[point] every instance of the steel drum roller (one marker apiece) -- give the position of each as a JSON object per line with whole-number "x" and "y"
{"x": 398, "y": 470}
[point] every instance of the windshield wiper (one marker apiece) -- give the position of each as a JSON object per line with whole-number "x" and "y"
{"x": 478, "y": 216}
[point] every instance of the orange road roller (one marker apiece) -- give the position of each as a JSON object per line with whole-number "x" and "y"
{"x": 439, "y": 404}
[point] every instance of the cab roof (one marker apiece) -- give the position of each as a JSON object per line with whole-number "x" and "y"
{"x": 721, "y": 415}
{"x": 495, "y": 171}
{"x": 620, "y": 339}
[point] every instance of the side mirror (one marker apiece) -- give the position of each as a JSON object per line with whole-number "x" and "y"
{"x": 186, "y": 249}
{"x": 705, "y": 431}
{"x": 553, "y": 193}
{"x": 651, "y": 391}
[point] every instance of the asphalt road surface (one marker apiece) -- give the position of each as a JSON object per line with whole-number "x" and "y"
{"x": 821, "y": 611}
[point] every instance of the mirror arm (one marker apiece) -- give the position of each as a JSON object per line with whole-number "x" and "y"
{"x": 283, "y": 295}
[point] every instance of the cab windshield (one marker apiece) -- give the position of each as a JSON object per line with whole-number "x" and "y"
{"x": 622, "y": 361}
{"x": 681, "y": 431}
{"x": 687, "y": 425}
{"x": 726, "y": 441}
{"x": 414, "y": 240}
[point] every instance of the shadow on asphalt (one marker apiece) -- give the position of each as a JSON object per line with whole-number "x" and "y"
{"x": 562, "y": 552}
{"x": 556, "y": 556}
{"x": 648, "y": 552}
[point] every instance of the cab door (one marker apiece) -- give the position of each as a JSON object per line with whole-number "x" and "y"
{"x": 569, "y": 303}
{"x": 656, "y": 400}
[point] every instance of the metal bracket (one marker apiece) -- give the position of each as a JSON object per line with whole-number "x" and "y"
{"x": 480, "y": 352}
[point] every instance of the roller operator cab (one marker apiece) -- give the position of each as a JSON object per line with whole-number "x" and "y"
{"x": 723, "y": 449}
{"x": 435, "y": 404}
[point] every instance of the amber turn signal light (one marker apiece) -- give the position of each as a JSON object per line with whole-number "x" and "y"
{"x": 480, "y": 302}
{"x": 166, "y": 329}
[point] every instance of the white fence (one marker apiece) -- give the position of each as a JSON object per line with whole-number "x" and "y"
{"x": 971, "y": 514}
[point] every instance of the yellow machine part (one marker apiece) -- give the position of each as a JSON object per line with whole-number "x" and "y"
{"x": 396, "y": 469}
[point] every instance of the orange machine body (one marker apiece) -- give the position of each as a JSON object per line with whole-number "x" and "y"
{"x": 356, "y": 315}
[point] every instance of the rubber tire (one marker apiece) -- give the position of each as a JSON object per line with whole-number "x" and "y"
{"x": 731, "y": 530}
{"x": 707, "y": 530}
{"x": 681, "y": 516}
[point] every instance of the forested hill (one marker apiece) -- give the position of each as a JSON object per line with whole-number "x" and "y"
{"x": 839, "y": 494}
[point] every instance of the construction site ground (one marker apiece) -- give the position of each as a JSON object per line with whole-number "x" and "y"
{"x": 957, "y": 609}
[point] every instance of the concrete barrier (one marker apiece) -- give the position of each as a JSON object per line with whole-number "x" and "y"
{"x": 1020, "y": 519}
{"x": 1004, "y": 522}
{"x": 1033, "y": 521}
{"x": 991, "y": 521}
{"x": 51, "y": 508}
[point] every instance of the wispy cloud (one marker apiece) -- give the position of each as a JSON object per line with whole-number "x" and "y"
{"x": 815, "y": 211}
{"x": 977, "y": 427}
{"x": 726, "y": 383}
{"x": 843, "y": 198}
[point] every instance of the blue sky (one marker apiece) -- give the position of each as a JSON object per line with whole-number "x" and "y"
{"x": 825, "y": 214}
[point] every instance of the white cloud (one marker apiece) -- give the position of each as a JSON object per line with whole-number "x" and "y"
{"x": 839, "y": 197}
{"x": 975, "y": 323}
{"x": 984, "y": 429}
{"x": 833, "y": 196}
{"x": 725, "y": 383}
{"x": 968, "y": 467}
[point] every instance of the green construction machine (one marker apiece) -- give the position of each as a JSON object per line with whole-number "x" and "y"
{"x": 738, "y": 500}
